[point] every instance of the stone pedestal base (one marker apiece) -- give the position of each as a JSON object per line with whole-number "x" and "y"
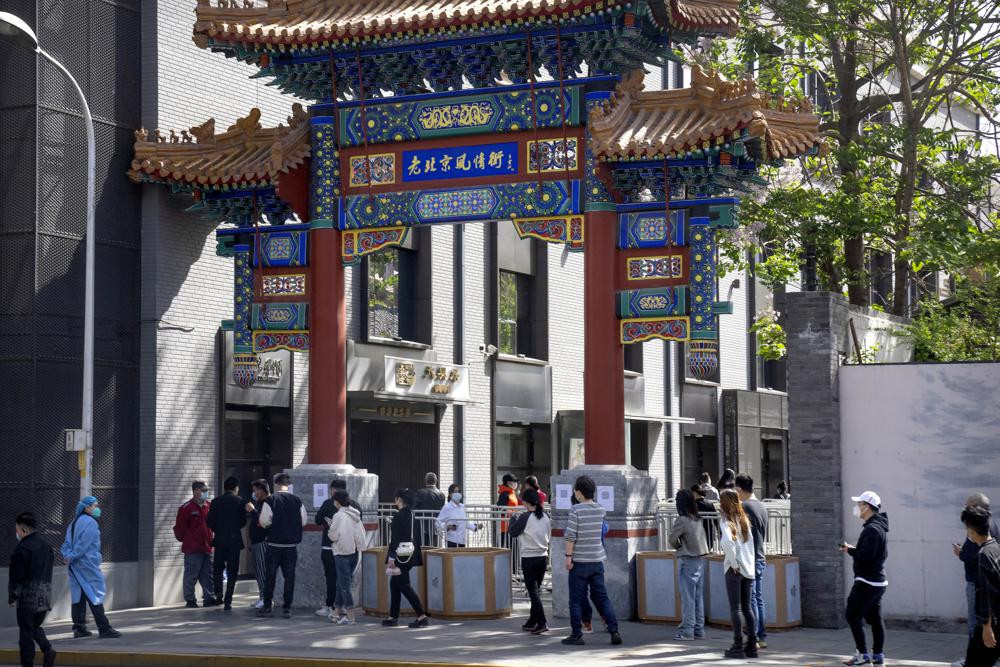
{"x": 632, "y": 527}
{"x": 310, "y": 582}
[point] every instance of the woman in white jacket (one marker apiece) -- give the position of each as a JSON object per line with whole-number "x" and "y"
{"x": 348, "y": 539}
{"x": 737, "y": 546}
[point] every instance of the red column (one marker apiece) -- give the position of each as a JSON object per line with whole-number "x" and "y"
{"x": 327, "y": 350}
{"x": 603, "y": 357}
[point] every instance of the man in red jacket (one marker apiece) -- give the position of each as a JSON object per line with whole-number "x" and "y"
{"x": 192, "y": 531}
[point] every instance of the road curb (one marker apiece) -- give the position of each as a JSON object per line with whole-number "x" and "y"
{"x": 78, "y": 658}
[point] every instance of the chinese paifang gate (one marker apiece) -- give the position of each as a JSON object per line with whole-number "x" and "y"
{"x": 440, "y": 113}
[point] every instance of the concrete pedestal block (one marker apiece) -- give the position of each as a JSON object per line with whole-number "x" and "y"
{"x": 657, "y": 586}
{"x": 310, "y": 582}
{"x": 375, "y": 584}
{"x": 468, "y": 583}
{"x": 632, "y": 527}
{"x": 782, "y": 599}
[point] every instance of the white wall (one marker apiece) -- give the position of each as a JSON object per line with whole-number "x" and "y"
{"x": 923, "y": 436}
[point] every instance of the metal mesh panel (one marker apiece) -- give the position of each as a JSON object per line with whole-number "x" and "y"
{"x": 63, "y": 28}
{"x": 62, "y": 173}
{"x": 118, "y": 198}
{"x": 17, "y": 164}
{"x": 114, "y": 63}
{"x": 17, "y": 269}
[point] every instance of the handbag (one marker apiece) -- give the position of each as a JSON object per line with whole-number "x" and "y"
{"x": 405, "y": 550}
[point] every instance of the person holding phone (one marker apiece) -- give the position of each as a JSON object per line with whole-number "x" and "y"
{"x": 984, "y": 649}
{"x": 864, "y": 604}
{"x": 454, "y": 521}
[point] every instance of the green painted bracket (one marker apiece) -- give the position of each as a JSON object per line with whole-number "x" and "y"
{"x": 224, "y": 245}
{"x": 227, "y": 325}
{"x": 722, "y": 307}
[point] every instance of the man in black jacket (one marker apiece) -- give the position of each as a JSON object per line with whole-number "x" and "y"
{"x": 429, "y": 499}
{"x": 30, "y": 589}
{"x": 226, "y": 518}
{"x": 323, "y": 517}
{"x": 286, "y": 516}
{"x": 983, "y": 649}
{"x": 865, "y": 601}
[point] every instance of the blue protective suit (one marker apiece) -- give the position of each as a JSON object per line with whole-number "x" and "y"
{"x": 82, "y": 551}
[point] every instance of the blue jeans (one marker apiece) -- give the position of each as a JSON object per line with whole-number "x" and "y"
{"x": 970, "y": 602}
{"x": 345, "y": 580}
{"x": 691, "y": 575}
{"x": 758, "y": 599}
{"x": 582, "y": 576}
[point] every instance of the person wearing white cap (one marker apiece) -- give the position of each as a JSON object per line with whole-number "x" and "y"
{"x": 864, "y": 604}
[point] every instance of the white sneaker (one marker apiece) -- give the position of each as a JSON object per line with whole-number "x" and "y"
{"x": 259, "y": 604}
{"x": 344, "y": 620}
{"x": 958, "y": 663}
{"x": 324, "y": 611}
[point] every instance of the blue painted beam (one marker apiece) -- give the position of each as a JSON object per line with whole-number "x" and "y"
{"x": 677, "y": 203}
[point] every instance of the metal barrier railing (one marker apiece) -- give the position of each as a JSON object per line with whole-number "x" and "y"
{"x": 778, "y": 541}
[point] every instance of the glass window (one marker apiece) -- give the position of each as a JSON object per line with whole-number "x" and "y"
{"x": 509, "y": 313}
{"x": 633, "y": 357}
{"x": 391, "y": 297}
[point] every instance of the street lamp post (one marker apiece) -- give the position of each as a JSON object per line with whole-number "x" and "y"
{"x": 20, "y": 33}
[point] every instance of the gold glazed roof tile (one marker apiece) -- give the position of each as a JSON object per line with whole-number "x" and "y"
{"x": 311, "y": 21}
{"x": 245, "y": 152}
{"x": 646, "y": 125}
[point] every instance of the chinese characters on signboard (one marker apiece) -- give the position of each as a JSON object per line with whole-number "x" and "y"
{"x": 428, "y": 164}
{"x": 416, "y": 377}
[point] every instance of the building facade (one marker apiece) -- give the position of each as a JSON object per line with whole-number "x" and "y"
{"x": 507, "y": 312}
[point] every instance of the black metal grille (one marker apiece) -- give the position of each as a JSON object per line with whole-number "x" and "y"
{"x": 42, "y": 256}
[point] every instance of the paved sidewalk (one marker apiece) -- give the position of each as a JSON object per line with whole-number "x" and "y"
{"x": 177, "y": 636}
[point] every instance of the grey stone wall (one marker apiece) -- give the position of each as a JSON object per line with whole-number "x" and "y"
{"x": 816, "y": 324}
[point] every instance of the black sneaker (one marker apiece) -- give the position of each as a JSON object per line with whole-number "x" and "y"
{"x": 616, "y": 638}
{"x": 264, "y": 612}
{"x": 286, "y": 613}
{"x": 227, "y": 607}
{"x": 528, "y": 627}
{"x": 81, "y": 632}
{"x": 750, "y": 650}
{"x": 540, "y": 629}
{"x": 735, "y": 651}
{"x": 574, "y": 640}
{"x": 110, "y": 633}
{"x": 50, "y": 659}
{"x": 211, "y": 603}
{"x": 388, "y": 622}
{"x": 421, "y": 622}
{"x": 191, "y": 604}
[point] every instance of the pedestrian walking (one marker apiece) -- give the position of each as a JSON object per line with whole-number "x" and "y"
{"x": 782, "y": 492}
{"x": 348, "y": 539}
{"x": 192, "y": 531}
{"x": 404, "y": 555}
{"x": 687, "y": 538}
{"x": 428, "y": 499}
{"x": 533, "y": 527}
{"x": 757, "y": 514}
{"x": 738, "y": 564}
{"x": 585, "y": 558}
{"x": 968, "y": 553}
{"x": 226, "y": 518}
{"x": 983, "y": 649}
{"x": 29, "y": 589}
{"x": 531, "y": 482}
{"x": 506, "y": 497}
{"x": 454, "y": 521}
{"x": 864, "y": 604}
{"x": 82, "y": 552}
{"x": 323, "y": 518}
{"x": 259, "y": 492}
{"x": 285, "y": 515}
{"x": 710, "y": 492}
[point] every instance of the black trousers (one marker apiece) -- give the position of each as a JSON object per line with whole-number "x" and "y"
{"x": 399, "y": 585}
{"x": 228, "y": 559}
{"x": 739, "y": 590}
{"x": 977, "y": 654}
{"x": 864, "y": 604}
{"x": 283, "y": 558}
{"x": 29, "y": 622}
{"x": 533, "y": 569}
{"x": 330, "y": 572}
{"x": 79, "y": 613}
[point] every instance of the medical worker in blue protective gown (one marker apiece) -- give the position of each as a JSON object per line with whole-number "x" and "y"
{"x": 82, "y": 551}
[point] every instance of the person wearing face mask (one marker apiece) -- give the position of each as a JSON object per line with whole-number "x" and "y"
{"x": 983, "y": 649}
{"x": 82, "y": 552}
{"x": 192, "y": 531}
{"x": 534, "y": 529}
{"x": 30, "y": 589}
{"x": 225, "y": 519}
{"x": 324, "y": 517}
{"x": 507, "y": 497}
{"x": 864, "y": 604}
{"x": 453, "y": 520}
{"x": 404, "y": 554}
{"x": 258, "y": 536}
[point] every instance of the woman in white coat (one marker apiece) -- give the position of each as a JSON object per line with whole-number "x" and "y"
{"x": 348, "y": 540}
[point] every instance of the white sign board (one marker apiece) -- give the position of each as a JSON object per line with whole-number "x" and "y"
{"x": 606, "y": 497}
{"x": 414, "y": 377}
{"x": 564, "y": 494}
{"x": 320, "y": 494}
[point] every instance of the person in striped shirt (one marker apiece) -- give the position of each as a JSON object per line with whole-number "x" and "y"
{"x": 585, "y": 558}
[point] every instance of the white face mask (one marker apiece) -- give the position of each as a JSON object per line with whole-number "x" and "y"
{"x": 17, "y": 535}
{"x": 456, "y": 497}
{"x": 856, "y": 511}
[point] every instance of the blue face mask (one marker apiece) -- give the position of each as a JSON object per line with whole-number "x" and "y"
{"x": 456, "y": 497}
{"x": 96, "y": 513}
